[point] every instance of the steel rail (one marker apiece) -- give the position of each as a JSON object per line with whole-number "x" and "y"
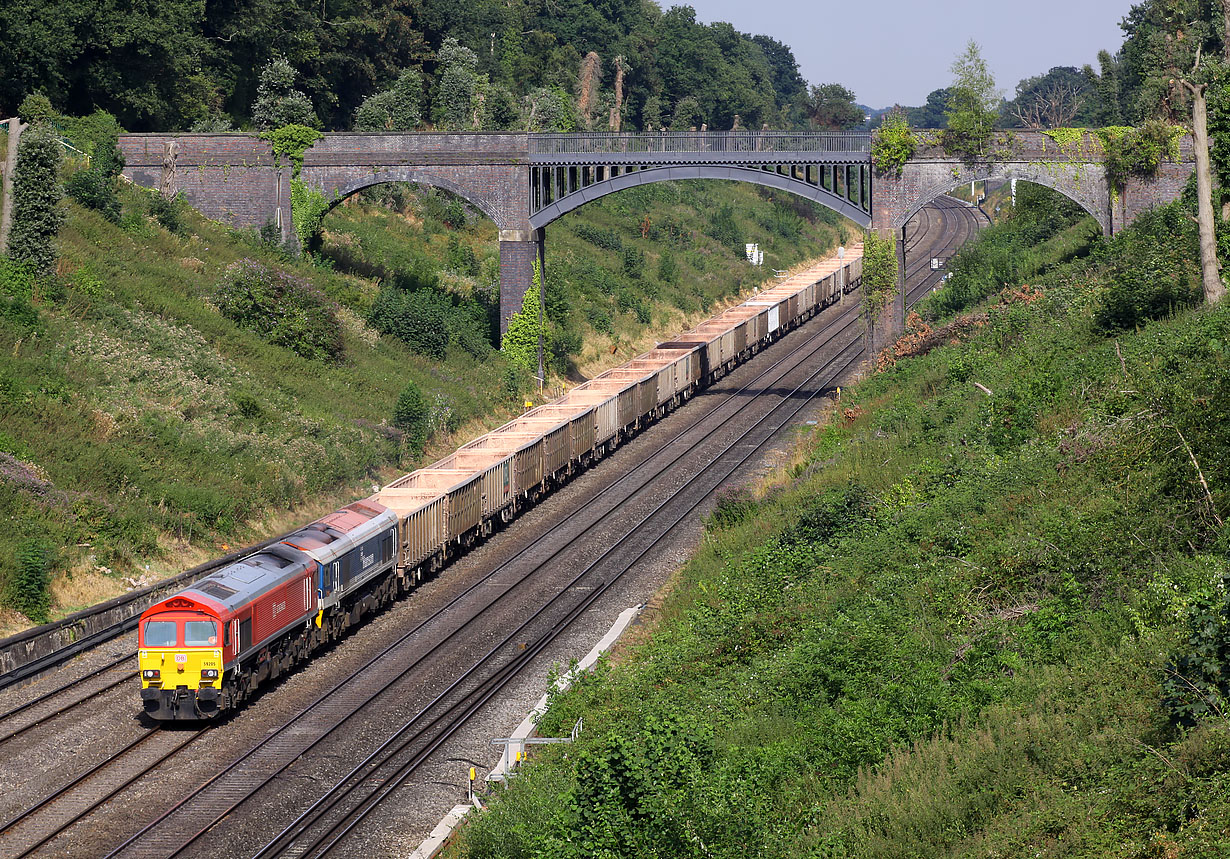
{"x": 89, "y": 809}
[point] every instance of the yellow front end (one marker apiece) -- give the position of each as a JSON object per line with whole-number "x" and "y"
{"x": 181, "y": 682}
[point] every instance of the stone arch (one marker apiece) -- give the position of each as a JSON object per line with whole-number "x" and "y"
{"x": 648, "y": 176}
{"x": 498, "y": 191}
{"x": 338, "y": 195}
{"x": 1072, "y": 179}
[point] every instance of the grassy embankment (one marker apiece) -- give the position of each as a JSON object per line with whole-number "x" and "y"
{"x": 141, "y": 430}
{"x": 983, "y": 615}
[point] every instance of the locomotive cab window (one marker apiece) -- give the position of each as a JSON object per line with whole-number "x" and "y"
{"x": 160, "y": 633}
{"x": 200, "y": 633}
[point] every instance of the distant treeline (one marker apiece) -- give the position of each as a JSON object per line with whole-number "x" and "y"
{"x": 178, "y": 64}
{"x": 1128, "y": 87}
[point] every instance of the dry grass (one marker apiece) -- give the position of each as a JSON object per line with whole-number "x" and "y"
{"x": 85, "y": 586}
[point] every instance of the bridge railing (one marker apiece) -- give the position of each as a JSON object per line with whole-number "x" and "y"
{"x": 596, "y": 143}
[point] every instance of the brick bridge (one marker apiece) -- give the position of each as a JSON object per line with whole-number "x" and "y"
{"x": 525, "y": 181}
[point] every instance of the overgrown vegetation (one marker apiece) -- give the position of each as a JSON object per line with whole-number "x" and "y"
{"x": 983, "y": 614}
{"x": 526, "y": 330}
{"x": 893, "y": 144}
{"x": 879, "y": 275}
{"x": 283, "y": 309}
{"x": 1138, "y": 152}
{"x": 973, "y": 106}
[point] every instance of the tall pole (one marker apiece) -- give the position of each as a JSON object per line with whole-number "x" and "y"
{"x": 542, "y": 278}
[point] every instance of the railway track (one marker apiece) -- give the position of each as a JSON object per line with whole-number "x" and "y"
{"x": 939, "y": 229}
{"x": 225, "y": 794}
{"x": 57, "y": 701}
{"x": 51, "y": 817}
{"x": 18, "y": 834}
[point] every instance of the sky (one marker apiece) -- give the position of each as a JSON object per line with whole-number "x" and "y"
{"x": 909, "y": 45}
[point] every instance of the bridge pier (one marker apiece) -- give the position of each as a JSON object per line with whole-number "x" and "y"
{"x": 519, "y": 250}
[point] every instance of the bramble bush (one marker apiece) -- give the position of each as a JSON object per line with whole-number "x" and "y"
{"x": 281, "y": 308}
{"x": 169, "y": 213}
{"x": 418, "y": 318}
{"x": 1153, "y": 269}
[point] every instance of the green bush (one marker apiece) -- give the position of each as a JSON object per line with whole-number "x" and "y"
{"x": 95, "y": 190}
{"x": 1197, "y": 678}
{"x": 461, "y": 258}
{"x": 668, "y": 269}
{"x": 17, "y": 278}
{"x": 169, "y": 212}
{"x": 35, "y": 109}
{"x": 282, "y": 308}
{"x": 1138, "y": 152}
{"x": 893, "y": 143}
{"x": 37, "y": 215}
{"x": 724, "y": 230}
{"x": 455, "y": 214}
{"x": 732, "y": 505}
{"x": 410, "y": 415}
{"x": 879, "y": 274}
{"x": 1152, "y": 270}
{"x": 633, "y": 260}
{"x": 28, "y": 589}
{"x": 521, "y": 340}
{"x": 598, "y": 237}
{"x": 419, "y": 318}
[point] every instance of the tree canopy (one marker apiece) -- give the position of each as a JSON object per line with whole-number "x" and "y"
{"x": 178, "y": 64}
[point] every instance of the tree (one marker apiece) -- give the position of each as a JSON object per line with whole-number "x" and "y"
{"x": 37, "y": 215}
{"x": 831, "y": 107}
{"x": 459, "y": 84}
{"x": 278, "y": 103}
{"x": 933, "y": 113}
{"x": 1214, "y": 289}
{"x": 398, "y": 108}
{"x": 688, "y": 115}
{"x": 973, "y": 105}
{"x": 521, "y": 339}
{"x": 36, "y": 108}
{"x": 1052, "y": 100}
{"x": 550, "y": 109}
{"x": 1109, "y": 112}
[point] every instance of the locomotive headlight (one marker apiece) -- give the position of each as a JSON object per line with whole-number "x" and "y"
{"x": 151, "y": 674}
{"x": 209, "y": 673}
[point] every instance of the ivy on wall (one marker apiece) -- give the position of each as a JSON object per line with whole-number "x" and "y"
{"x": 879, "y": 275}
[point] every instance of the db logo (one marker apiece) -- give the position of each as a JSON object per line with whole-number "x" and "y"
{"x": 181, "y": 658}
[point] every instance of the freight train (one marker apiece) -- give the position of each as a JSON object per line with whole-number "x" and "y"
{"x": 206, "y": 649}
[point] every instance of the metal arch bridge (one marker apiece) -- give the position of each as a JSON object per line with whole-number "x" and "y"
{"x": 569, "y": 170}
